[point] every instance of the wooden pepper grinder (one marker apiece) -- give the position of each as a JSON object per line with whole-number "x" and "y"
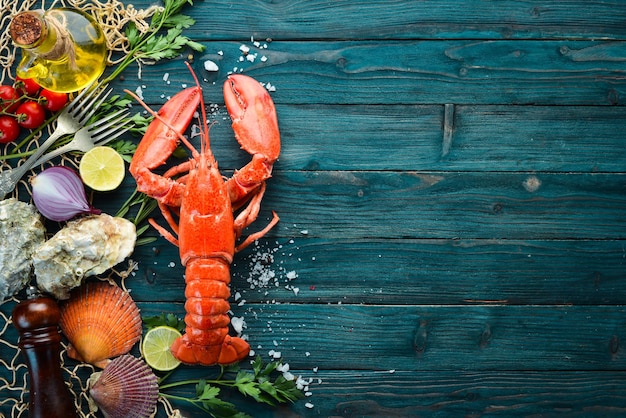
{"x": 37, "y": 321}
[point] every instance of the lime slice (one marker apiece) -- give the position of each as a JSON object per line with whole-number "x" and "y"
{"x": 156, "y": 348}
{"x": 102, "y": 169}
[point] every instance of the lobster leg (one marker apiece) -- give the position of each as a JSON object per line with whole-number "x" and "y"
{"x": 249, "y": 215}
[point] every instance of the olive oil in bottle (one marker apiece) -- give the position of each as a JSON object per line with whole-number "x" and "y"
{"x": 63, "y": 49}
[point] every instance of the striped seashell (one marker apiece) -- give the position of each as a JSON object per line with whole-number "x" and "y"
{"x": 126, "y": 388}
{"x": 101, "y": 321}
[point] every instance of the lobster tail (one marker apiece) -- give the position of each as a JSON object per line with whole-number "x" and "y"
{"x": 206, "y": 340}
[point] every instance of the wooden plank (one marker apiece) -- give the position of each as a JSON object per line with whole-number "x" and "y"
{"x": 443, "y": 357}
{"x": 352, "y": 205}
{"x": 381, "y": 19}
{"x": 460, "y": 393}
{"x": 564, "y": 72}
{"x": 349, "y": 393}
{"x": 480, "y": 138}
{"x": 533, "y": 138}
{"x": 355, "y": 205}
{"x": 434, "y": 337}
{"x": 403, "y": 271}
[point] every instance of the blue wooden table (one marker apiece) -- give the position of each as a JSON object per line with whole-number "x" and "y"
{"x": 452, "y": 195}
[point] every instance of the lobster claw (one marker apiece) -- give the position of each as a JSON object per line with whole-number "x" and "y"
{"x": 253, "y": 116}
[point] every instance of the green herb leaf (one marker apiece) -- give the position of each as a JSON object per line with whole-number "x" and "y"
{"x": 169, "y": 320}
{"x": 208, "y": 392}
{"x": 179, "y": 21}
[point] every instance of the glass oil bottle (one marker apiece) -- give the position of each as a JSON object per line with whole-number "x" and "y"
{"x": 63, "y": 49}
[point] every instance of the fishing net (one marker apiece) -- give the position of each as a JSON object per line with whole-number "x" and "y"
{"x": 113, "y": 16}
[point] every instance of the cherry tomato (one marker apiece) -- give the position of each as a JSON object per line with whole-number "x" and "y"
{"x": 26, "y": 86}
{"x": 30, "y": 115}
{"x": 9, "y": 98}
{"x": 52, "y": 101}
{"x": 9, "y": 129}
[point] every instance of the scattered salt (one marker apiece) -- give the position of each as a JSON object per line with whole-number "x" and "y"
{"x": 139, "y": 92}
{"x": 166, "y": 76}
{"x": 238, "y": 324}
{"x": 211, "y": 66}
{"x": 275, "y": 354}
{"x": 244, "y": 48}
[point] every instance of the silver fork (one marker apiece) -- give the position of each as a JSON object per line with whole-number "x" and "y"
{"x": 100, "y": 132}
{"x": 69, "y": 121}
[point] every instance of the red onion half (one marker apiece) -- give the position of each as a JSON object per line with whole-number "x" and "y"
{"x": 59, "y": 194}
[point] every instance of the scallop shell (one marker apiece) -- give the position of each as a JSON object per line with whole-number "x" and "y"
{"x": 101, "y": 321}
{"x": 126, "y": 388}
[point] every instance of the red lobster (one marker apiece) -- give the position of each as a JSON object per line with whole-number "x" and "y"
{"x": 196, "y": 192}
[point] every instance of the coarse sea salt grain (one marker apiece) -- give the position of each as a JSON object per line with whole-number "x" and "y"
{"x": 139, "y": 92}
{"x": 211, "y": 66}
{"x": 238, "y": 324}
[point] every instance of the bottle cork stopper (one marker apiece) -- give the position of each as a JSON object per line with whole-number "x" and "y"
{"x": 26, "y": 28}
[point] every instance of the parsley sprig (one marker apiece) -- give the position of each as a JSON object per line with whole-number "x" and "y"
{"x": 162, "y": 40}
{"x": 262, "y": 384}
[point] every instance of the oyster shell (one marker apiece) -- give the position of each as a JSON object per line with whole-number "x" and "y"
{"x": 22, "y": 231}
{"x": 84, "y": 247}
{"x": 101, "y": 321}
{"x": 126, "y": 388}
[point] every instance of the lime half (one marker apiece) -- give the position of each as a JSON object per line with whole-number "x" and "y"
{"x": 102, "y": 169}
{"x": 156, "y": 348}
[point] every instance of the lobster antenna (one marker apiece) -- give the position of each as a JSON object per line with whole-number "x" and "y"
{"x": 205, "y": 142}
